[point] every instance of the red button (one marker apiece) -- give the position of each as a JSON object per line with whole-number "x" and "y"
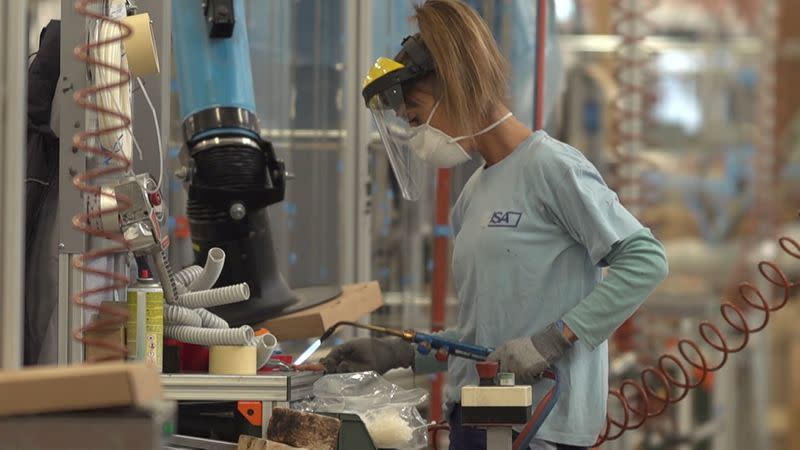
{"x": 487, "y": 369}
{"x": 155, "y": 198}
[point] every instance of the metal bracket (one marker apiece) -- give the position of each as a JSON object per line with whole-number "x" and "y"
{"x": 220, "y": 18}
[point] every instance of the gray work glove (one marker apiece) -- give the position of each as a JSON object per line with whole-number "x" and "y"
{"x": 366, "y": 354}
{"x": 528, "y": 357}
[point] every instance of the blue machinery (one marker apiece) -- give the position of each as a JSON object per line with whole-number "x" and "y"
{"x": 233, "y": 174}
{"x": 213, "y": 72}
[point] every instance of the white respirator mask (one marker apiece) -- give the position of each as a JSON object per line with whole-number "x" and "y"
{"x": 441, "y": 151}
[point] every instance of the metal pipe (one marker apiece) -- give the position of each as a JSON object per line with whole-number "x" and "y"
{"x": 70, "y": 241}
{"x": 441, "y": 242}
{"x": 541, "y": 42}
{"x": 12, "y": 167}
{"x": 348, "y": 188}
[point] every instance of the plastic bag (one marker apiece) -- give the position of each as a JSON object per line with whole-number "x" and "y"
{"x": 388, "y": 411}
{"x": 396, "y": 426}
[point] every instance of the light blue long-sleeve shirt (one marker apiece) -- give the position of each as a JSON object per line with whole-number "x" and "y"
{"x": 531, "y": 234}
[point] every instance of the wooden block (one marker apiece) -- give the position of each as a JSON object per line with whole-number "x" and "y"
{"x": 498, "y": 396}
{"x": 311, "y": 431}
{"x": 356, "y": 301}
{"x": 254, "y": 443}
{"x": 46, "y": 389}
{"x": 251, "y": 443}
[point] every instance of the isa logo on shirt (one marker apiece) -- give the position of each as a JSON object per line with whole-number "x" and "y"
{"x": 505, "y": 219}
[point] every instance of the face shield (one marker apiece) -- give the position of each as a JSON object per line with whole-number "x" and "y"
{"x": 383, "y": 94}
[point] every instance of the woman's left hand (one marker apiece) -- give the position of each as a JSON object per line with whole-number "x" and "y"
{"x": 528, "y": 357}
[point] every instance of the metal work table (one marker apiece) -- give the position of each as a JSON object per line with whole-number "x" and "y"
{"x": 274, "y": 390}
{"x": 278, "y": 387}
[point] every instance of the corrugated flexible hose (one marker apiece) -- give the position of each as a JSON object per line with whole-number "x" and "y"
{"x": 243, "y": 335}
{"x": 211, "y": 320}
{"x": 215, "y": 297}
{"x": 178, "y": 315}
{"x": 208, "y": 277}
{"x": 186, "y": 276}
{"x": 90, "y": 221}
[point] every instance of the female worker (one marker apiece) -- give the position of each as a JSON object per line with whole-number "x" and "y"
{"x": 533, "y": 227}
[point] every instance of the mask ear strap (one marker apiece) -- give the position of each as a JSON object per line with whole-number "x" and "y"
{"x": 487, "y": 129}
{"x": 430, "y": 116}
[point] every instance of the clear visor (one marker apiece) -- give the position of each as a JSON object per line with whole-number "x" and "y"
{"x": 397, "y": 134}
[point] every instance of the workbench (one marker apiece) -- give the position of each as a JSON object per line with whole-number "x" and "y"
{"x": 274, "y": 390}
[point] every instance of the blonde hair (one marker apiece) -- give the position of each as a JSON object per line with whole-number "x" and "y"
{"x": 471, "y": 72}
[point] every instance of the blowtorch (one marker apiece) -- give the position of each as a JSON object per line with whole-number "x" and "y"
{"x": 426, "y": 343}
{"x": 488, "y": 401}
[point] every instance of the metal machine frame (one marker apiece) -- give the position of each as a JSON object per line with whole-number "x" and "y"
{"x": 355, "y": 194}
{"x": 273, "y": 390}
{"x": 13, "y": 45}
{"x": 73, "y": 78}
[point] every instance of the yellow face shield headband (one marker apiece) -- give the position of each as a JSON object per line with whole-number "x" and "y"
{"x": 387, "y": 76}
{"x": 384, "y": 96}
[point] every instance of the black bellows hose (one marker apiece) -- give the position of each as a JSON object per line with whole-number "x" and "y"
{"x": 247, "y": 242}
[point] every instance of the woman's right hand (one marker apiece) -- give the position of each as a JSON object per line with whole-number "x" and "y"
{"x": 369, "y": 354}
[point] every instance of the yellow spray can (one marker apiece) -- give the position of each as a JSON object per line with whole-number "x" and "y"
{"x": 145, "y": 330}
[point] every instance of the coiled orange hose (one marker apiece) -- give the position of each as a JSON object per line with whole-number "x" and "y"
{"x": 628, "y": 110}
{"x": 657, "y": 387}
{"x": 89, "y": 221}
{"x": 657, "y": 383}
{"x": 629, "y": 119}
